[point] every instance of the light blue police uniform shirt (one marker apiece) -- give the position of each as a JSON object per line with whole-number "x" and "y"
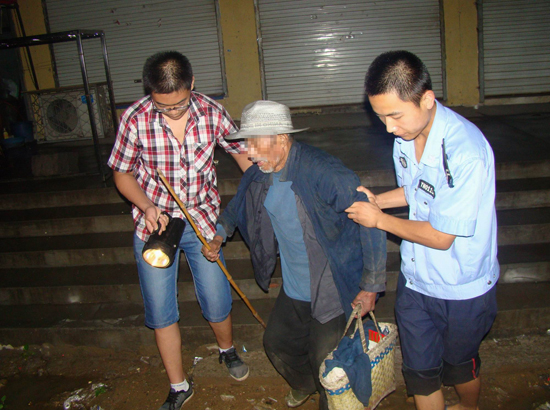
{"x": 469, "y": 268}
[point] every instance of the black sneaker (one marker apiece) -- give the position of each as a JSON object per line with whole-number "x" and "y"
{"x": 176, "y": 399}
{"x": 237, "y": 368}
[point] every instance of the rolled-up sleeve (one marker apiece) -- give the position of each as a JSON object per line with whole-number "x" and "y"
{"x": 340, "y": 189}
{"x": 373, "y": 243}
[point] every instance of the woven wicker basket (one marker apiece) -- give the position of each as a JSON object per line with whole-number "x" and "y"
{"x": 339, "y": 393}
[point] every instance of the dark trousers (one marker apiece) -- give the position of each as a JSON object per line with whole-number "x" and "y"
{"x": 440, "y": 338}
{"x": 297, "y": 344}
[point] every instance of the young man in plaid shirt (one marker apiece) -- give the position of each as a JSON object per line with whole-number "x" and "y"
{"x": 176, "y": 129}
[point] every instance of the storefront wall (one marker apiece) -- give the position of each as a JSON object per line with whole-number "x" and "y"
{"x": 134, "y": 31}
{"x": 514, "y": 45}
{"x": 316, "y": 52}
{"x": 241, "y": 59}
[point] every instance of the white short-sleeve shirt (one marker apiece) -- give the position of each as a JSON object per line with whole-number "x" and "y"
{"x": 469, "y": 268}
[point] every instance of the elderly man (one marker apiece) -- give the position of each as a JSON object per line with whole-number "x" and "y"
{"x": 445, "y": 168}
{"x": 292, "y": 202}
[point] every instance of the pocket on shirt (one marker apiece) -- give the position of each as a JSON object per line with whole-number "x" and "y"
{"x": 203, "y": 155}
{"x": 424, "y": 203}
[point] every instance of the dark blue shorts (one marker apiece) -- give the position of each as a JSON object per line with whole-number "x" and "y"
{"x": 440, "y": 338}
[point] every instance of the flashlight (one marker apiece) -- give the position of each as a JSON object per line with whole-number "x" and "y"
{"x": 160, "y": 250}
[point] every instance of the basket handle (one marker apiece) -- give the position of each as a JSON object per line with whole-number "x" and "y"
{"x": 357, "y": 313}
{"x": 376, "y": 324}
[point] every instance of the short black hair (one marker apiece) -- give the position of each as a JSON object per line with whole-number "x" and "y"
{"x": 401, "y": 72}
{"x": 166, "y": 72}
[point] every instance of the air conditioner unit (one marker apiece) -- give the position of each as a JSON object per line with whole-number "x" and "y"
{"x": 62, "y": 114}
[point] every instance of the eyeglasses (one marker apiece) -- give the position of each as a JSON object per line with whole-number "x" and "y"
{"x": 183, "y": 108}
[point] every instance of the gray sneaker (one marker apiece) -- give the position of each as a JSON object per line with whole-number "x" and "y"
{"x": 176, "y": 399}
{"x": 237, "y": 368}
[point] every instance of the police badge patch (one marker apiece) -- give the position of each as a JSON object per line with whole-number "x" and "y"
{"x": 426, "y": 187}
{"x": 403, "y": 162}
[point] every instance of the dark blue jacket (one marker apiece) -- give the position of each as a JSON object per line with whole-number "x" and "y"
{"x": 357, "y": 255}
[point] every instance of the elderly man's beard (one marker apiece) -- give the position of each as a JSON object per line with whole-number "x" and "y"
{"x": 270, "y": 168}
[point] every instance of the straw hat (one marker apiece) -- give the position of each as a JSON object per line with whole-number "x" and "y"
{"x": 264, "y": 118}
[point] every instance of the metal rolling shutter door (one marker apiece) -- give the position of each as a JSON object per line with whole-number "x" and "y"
{"x": 317, "y": 52}
{"x": 134, "y": 31}
{"x": 516, "y": 47}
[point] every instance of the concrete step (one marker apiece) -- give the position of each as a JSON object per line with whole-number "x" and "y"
{"x": 112, "y": 217}
{"x": 65, "y": 212}
{"x": 82, "y": 197}
{"x": 64, "y": 220}
{"x": 536, "y": 272}
{"x": 116, "y": 252}
{"x": 126, "y": 293}
{"x": 85, "y": 231}
{"x": 88, "y": 174}
{"x": 121, "y": 274}
{"x": 36, "y": 200}
{"x": 119, "y": 283}
{"x": 57, "y": 258}
{"x": 67, "y": 226}
{"x": 109, "y": 274}
{"x": 523, "y": 193}
{"x": 228, "y": 186}
{"x": 49, "y": 184}
{"x": 522, "y": 307}
{"x": 82, "y": 235}
{"x": 522, "y": 226}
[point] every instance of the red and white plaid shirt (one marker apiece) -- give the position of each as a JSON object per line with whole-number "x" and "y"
{"x": 145, "y": 142}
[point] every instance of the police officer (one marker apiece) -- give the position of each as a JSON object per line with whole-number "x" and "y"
{"x": 446, "y": 300}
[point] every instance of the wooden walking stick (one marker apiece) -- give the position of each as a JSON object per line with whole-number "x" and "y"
{"x": 201, "y": 238}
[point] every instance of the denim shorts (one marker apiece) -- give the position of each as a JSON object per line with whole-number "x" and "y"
{"x": 159, "y": 285}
